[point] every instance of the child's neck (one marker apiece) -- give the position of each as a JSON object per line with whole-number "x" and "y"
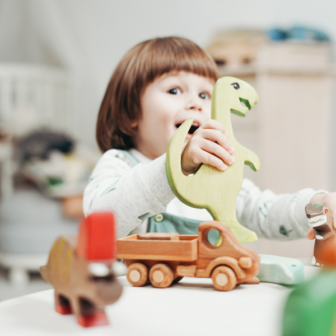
{"x": 142, "y": 157}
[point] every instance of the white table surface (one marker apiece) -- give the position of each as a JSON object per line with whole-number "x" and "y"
{"x": 191, "y": 307}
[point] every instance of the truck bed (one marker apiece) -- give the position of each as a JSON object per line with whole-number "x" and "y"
{"x": 184, "y": 249}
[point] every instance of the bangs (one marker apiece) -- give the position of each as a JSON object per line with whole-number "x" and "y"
{"x": 138, "y": 68}
{"x": 164, "y": 55}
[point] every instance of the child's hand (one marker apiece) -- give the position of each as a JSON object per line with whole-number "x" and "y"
{"x": 209, "y": 145}
{"x": 329, "y": 200}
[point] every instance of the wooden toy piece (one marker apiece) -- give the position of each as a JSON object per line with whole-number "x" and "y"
{"x": 80, "y": 270}
{"x": 161, "y": 236}
{"x": 320, "y": 219}
{"x": 280, "y": 270}
{"x": 210, "y": 188}
{"x": 163, "y": 262}
{"x": 310, "y": 308}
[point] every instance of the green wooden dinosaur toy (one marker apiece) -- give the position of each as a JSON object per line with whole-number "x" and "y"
{"x": 210, "y": 188}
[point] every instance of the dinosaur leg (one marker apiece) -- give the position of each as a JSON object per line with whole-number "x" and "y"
{"x": 90, "y": 315}
{"x": 62, "y": 304}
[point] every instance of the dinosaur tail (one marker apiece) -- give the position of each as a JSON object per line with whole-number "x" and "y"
{"x": 44, "y": 273}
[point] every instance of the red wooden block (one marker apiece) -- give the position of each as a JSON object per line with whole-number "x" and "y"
{"x": 97, "y": 236}
{"x": 63, "y": 309}
{"x": 92, "y": 320}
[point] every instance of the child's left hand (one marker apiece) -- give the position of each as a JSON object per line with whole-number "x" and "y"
{"x": 329, "y": 200}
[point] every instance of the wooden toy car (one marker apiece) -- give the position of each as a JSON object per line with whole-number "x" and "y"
{"x": 80, "y": 270}
{"x": 166, "y": 257}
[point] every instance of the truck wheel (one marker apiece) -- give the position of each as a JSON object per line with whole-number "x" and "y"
{"x": 161, "y": 276}
{"x": 137, "y": 274}
{"x": 223, "y": 278}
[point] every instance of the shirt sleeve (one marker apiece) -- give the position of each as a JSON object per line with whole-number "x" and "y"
{"x": 272, "y": 216}
{"x": 132, "y": 194}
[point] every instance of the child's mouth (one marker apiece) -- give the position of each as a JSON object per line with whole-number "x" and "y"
{"x": 192, "y": 129}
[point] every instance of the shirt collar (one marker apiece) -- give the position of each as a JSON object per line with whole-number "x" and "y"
{"x": 139, "y": 156}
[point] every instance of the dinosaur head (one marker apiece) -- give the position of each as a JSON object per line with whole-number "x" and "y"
{"x": 240, "y": 95}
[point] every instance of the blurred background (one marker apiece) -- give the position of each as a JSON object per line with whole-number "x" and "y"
{"x": 56, "y": 57}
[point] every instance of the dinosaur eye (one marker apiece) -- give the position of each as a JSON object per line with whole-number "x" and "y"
{"x": 236, "y": 85}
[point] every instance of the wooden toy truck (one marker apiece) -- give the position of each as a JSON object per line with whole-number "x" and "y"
{"x": 80, "y": 270}
{"x": 167, "y": 257}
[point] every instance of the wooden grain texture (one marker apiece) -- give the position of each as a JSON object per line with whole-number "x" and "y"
{"x": 210, "y": 188}
{"x": 83, "y": 286}
{"x": 229, "y": 247}
{"x": 232, "y": 263}
{"x": 183, "y": 250}
{"x": 245, "y": 262}
{"x": 192, "y": 256}
{"x": 161, "y": 276}
{"x": 186, "y": 270}
{"x": 253, "y": 281}
{"x": 137, "y": 274}
{"x": 159, "y": 236}
{"x": 223, "y": 278}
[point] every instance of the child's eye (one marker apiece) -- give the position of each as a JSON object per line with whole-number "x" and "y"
{"x": 175, "y": 91}
{"x": 204, "y": 95}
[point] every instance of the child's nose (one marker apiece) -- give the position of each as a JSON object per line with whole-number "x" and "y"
{"x": 194, "y": 105}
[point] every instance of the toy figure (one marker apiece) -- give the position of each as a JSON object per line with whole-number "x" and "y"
{"x": 321, "y": 221}
{"x": 211, "y": 188}
{"x": 80, "y": 270}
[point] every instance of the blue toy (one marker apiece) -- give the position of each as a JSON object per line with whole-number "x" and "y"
{"x": 280, "y": 270}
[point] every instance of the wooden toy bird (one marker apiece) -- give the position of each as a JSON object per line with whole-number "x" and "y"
{"x": 80, "y": 270}
{"x": 210, "y": 188}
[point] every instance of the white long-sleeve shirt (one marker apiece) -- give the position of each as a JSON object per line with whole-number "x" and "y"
{"x": 135, "y": 193}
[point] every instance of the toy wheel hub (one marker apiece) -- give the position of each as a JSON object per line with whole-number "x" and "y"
{"x": 222, "y": 279}
{"x": 158, "y": 276}
{"x": 135, "y": 275}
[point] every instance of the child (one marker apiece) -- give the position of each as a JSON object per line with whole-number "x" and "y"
{"x": 158, "y": 85}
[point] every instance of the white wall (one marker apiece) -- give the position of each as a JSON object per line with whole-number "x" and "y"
{"x": 89, "y": 37}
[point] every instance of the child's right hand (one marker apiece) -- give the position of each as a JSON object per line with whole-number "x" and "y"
{"x": 209, "y": 144}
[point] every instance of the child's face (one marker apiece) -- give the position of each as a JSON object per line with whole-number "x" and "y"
{"x": 166, "y": 104}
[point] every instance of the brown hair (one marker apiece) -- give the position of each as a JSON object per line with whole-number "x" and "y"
{"x": 139, "y": 67}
